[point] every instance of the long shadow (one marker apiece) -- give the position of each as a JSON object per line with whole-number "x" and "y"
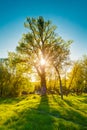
{"x": 71, "y": 113}
{"x": 44, "y": 117}
{"x": 10, "y": 100}
{"x": 34, "y": 118}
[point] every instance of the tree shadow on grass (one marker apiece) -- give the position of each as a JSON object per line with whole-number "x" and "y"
{"x": 71, "y": 113}
{"x": 45, "y": 117}
{"x": 11, "y": 100}
{"x": 34, "y": 118}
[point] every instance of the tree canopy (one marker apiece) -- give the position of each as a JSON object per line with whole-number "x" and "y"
{"x": 41, "y": 46}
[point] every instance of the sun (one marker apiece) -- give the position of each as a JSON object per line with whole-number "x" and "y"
{"x": 33, "y": 79}
{"x": 42, "y": 61}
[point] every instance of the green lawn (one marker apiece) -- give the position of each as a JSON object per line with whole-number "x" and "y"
{"x": 44, "y": 113}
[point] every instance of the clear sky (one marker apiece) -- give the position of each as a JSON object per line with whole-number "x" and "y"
{"x": 70, "y": 16}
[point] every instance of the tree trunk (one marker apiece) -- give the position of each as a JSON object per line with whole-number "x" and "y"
{"x": 43, "y": 85}
{"x": 61, "y": 89}
{"x": 42, "y": 75}
{"x": 43, "y": 81}
{"x": 1, "y": 90}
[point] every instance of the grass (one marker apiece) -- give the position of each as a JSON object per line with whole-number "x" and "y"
{"x": 43, "y": 113}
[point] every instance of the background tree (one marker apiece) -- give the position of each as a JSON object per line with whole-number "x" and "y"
{"x": 76, "y": 78}
{"x": 4, "y": 80}
{"x": 84, "y": 66}
{"x": 60, "y": 59}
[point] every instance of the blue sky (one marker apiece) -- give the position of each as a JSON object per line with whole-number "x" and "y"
{"x": 70, "y": 16}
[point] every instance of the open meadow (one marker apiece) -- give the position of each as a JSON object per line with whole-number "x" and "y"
{"x": 35, "y": 112}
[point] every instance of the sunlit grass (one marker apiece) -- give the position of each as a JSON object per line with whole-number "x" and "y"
{"x": 43, "y": 113}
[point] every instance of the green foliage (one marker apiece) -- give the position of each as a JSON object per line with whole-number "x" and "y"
{"x": 43, "y": 112}
{"x": 12, "y": 82}
{"x": 42, "y": 42}
{"x": 4, "y": 80}
{"x": 78, "y": 76}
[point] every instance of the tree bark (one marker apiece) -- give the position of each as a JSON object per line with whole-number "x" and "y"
{"x": 1, "y": 90}
{"x": 43, "y": 81}
{"x": 43, "y": 85}
{"x": 42, "y": 76}
{"x": 61, "y": 89}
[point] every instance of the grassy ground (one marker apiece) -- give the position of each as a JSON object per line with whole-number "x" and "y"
{"x": 44, "y": 113}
